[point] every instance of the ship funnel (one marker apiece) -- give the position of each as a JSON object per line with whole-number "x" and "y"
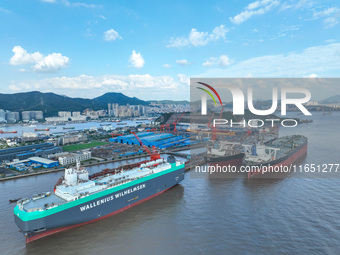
{"x": 171, "y": 159}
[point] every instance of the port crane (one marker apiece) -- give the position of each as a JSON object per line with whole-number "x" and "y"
{"x": 154, "y": 155}
{"x": 214, "y": 128}
{"x": 164, "y": 128}
{"x": 209, "y": 121}
{"x": 176, "y": 122}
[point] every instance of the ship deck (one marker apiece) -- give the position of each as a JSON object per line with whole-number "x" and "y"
{"x": 32, "y": 204}
{"x": 286, "y": 144}
{"x": 93, "y": 186}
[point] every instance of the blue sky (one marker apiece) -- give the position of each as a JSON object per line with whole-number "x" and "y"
{"x": 150, "y": 49}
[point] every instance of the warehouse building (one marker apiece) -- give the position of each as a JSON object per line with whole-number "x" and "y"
{"x": 163, "y": 140}
{"x": 72, "y": 139}
{"x": 25, "y": 152}
{"x": 44, "y": 162}
{"x": 73, "y": 157}
{"x": 35, "y": 162}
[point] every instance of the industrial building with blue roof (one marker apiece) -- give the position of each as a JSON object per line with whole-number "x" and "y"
{"x": 161, "y": 141}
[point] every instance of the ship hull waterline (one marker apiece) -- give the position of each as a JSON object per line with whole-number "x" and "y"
{"x": 233, "y": 160}
{"x": 99, "y": 208}
{"x": 290, "y": 159}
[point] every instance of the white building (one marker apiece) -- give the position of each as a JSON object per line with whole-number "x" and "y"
{"x": 72, "y": 158}
{"x": 72, "y": 139}
{"x": 65, "y": 119}
{"x": 29, "y": 135}
{"x": 312, "y": 103}
{"x": 64, "y": 114}
{"x": 108, "y": 128}
{"x": 32, "y": 115}
{"x": 2, "y": 115}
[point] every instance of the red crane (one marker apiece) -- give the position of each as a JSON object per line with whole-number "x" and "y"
{"x": 209, "y": 122}
{"x": 222, "y": 112}
{"x": 167, "y": 127}
{"x": 214, "y": 128}
{"x": 154, "y": 155}
{"x": 176, "y": 122}
{"x": 214, "y": 135}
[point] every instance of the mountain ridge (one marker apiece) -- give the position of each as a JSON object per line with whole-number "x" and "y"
{"x": 50, "y": 103}
{"x": 332, "y": 99}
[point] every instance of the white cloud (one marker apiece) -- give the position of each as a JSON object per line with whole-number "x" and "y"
{"x": 183, "y": 79}
{"x": 136, "y": 59}
{"x": 323, "y": 60}
{"x": 326, "y": 12}
{"x": 72, "y": 4}
{"x": 330, "y": 22}
{"x": 144, "y": 86}
{"x": 196, "y": 38}
{"x": 254, "y": 8}
{"x": 303, "y": 4}
{"x": 111, "y": 35}
{"x": 14, "y": 87}
{"x": 5, "y": 10}
{"x": 312, "y": 75}
{"x": 51, "y": 63}
{"x": 78, "y": 4}
{"x": 331, "y": 16}
{"x": 182, "y": 62}
{"x": 300, "y": 4}
{"x": 286, "y": 6}
{"x": 285, "y": 30}
{"x": 253, "y": 5}
{"x": 84, "y": 5}
{"x": 102, "y": 17}
{"x": 21, "y": 57}
{"x": 222, "y": 61}
{"x": 166, "y": 66}
{"x": 210, "y": 62}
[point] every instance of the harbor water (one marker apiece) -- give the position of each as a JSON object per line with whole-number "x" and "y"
{"x": 60, "y": 129}
{"x": 297, "y": 214}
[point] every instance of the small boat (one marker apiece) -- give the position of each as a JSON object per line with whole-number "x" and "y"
{"x": 42, "y": 129}
{"x": 14, "y": 200}
{"x": 8, "y": 132}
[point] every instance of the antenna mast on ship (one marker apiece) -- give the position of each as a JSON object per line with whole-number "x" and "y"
{"x": 78, "y": 163}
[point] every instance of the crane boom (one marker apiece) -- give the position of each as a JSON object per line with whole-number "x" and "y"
{"x": 154, "y": 155}
{"x": 176, "y": 122}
